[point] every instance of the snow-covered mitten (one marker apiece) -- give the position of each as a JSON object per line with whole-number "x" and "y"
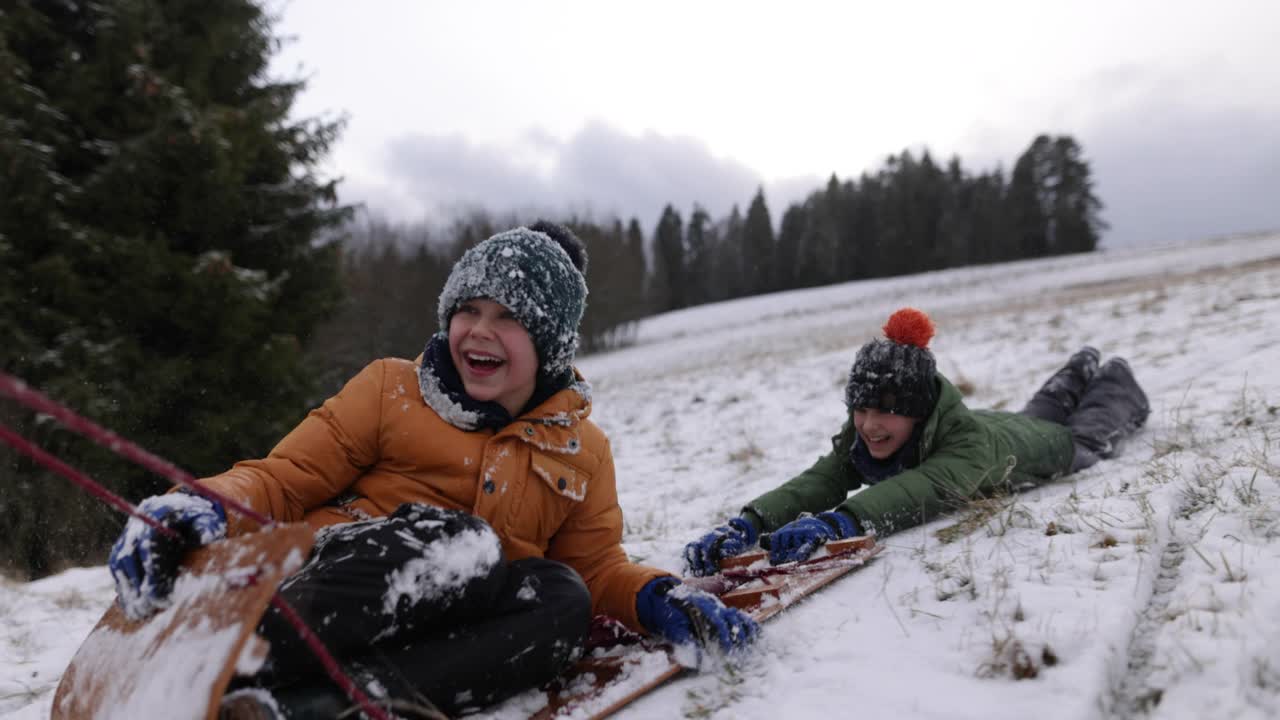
{"x": 683, "y": 614}
{"x": 144, "y": 562}
{"x": 798, "y": 539}
{"x": 703, "y": 555}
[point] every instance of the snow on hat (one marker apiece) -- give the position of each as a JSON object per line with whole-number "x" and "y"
{"x": 536, "y": 273}
{"x": 895, "y": 373}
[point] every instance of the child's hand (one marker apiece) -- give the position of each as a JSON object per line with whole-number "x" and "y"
{"x": 144, "y": 562}
{"x": 703, "y": 556}
{"x": 798, "y": 539}
{"x": 683, "y": 614}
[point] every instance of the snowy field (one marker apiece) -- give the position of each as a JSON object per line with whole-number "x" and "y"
{"x": 1146, "y": 586}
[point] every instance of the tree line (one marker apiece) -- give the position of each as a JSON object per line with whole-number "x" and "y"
{"x": 912, "y": 215}
{"x": 174, "y": 266}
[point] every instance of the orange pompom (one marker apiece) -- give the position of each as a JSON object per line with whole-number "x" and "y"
{"x": 909, "y": 326}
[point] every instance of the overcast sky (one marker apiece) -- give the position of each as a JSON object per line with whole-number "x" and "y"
{"x": 613, "y": 108}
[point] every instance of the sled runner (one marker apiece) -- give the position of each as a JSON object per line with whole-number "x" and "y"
{"x": 621, "y": 666}
{"x": 177, "y": 662}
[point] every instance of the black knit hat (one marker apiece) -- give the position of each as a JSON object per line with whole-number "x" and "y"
{"x": 896, "y": 373}
{"x": 537, "y": 274}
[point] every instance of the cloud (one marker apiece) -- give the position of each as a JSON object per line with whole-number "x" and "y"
{"x": 1180, "y": 151}
{"x": 1169, "y": 173}
{"x": 1174, "y": 156}
{"x": 600, "y": 171}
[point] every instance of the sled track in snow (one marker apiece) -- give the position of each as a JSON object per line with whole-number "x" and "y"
{"x": 1132, "y": 695}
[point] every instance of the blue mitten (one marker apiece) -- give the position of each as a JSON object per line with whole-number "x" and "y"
{"x": 703, "y": 555}
{"x": 683, "y": 614}
{"x": 144, "y": 562}
{"x": 798, "y": 539}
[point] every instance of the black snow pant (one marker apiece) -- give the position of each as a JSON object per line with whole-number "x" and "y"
{"x": 422, "y": 605}
{"x": 1101, "y": 405}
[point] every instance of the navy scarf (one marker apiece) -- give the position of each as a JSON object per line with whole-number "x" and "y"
{"x": 873, "y": 470}
{"x": 492, "y": 415}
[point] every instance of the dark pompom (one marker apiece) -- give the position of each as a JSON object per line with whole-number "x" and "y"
{"x": 570, "y": 242}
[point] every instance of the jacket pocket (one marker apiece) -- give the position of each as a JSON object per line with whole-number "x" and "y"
{"x": 565, "y": 480}
{"x": 550, "y": 500}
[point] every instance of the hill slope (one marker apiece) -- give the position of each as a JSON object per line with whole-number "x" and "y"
{"x": 1147, "y": 585}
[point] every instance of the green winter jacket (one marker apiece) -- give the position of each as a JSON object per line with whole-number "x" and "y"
{"x": 964, "y": 454}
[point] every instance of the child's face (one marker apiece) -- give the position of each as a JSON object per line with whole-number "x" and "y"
{"x": 883, "y": 432}
{"x": 493, "y": 353}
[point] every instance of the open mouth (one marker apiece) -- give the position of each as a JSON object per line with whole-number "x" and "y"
{"x": 483, "y": 362}
{"x": 877, "y": 443}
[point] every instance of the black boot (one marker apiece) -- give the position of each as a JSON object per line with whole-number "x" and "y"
{"x": 1058, "y": 398}
{"x": 1113, "y": 408}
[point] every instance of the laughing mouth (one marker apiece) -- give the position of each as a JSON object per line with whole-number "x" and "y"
{"x": 483, "y": 361}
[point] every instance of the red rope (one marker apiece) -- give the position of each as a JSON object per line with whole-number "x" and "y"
{"x": 18, "y": 390}
{"x": 34, "y": 400}
{"x": 84, "y": 481}
{"x": 327, "y": 660}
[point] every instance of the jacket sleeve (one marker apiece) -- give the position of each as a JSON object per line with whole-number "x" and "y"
{"x": 590, "y": 541}
{"x": 316, "y": 461}
{"x": 826, "y": 483}
{"x": 955, "y": 473}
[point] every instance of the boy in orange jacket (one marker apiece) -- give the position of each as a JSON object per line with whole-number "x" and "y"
{"x": 466, "y": 510}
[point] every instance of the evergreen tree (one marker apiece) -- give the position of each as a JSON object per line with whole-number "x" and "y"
{"x": 844, "y": 214}
{"x": 669, "y": 261}
{"x": 790, "y": 236}
{"x": 988, "y": 226}
{"x": 1025, "y": 204}
{"x": 697, "y": 246}
{"x": 820, "y": 245}
{"x": 1076, "y": 210}
{"x": 730, "y": 255}
{"x": 758, "y": 246}
{"x": 637, "y": 277}
{"x": 928, "y": 198}
{"x": 897, "y": 247}
{"x": 866, "y": 230}
{"x": 164, "y": 214}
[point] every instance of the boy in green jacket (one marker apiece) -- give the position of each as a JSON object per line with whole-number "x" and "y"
{"x": 911, "y": 439}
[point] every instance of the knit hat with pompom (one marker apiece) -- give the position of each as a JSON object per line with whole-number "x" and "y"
{"x": 896, "y": 373}
{"x": 536, "y": 273}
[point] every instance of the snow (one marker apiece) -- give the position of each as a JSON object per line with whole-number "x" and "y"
{"x": 444, "y": 567}
{"x": 1148, "y": 585}
{"x": 452, "y": 412}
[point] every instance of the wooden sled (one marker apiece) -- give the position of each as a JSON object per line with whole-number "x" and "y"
{"x": 178, "y": 662}
{"x": 608, "y": 680}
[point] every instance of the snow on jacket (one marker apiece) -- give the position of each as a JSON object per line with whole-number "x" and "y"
{"x": 964, "y": 454}
{"x": 545, "y": 483}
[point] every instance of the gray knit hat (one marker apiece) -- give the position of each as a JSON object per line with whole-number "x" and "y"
{"x": 896, "y": 373}
{"x": 536, "y": 273}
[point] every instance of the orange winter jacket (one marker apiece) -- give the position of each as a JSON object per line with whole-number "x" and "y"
{"x": 545, "y": 482}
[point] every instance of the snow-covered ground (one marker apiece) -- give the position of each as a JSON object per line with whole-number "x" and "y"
{"x": 1147, "y": 586}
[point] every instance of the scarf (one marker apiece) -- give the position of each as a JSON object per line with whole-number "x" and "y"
{"x": 442, "y": 389}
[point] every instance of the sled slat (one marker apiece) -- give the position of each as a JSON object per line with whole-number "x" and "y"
{"x": 862, "y": 542}
{"x": 178, "y": 662}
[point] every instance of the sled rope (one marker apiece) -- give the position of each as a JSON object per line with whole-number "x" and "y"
{"x": 33, "y": 400}
{"x": 744, "y": 575}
